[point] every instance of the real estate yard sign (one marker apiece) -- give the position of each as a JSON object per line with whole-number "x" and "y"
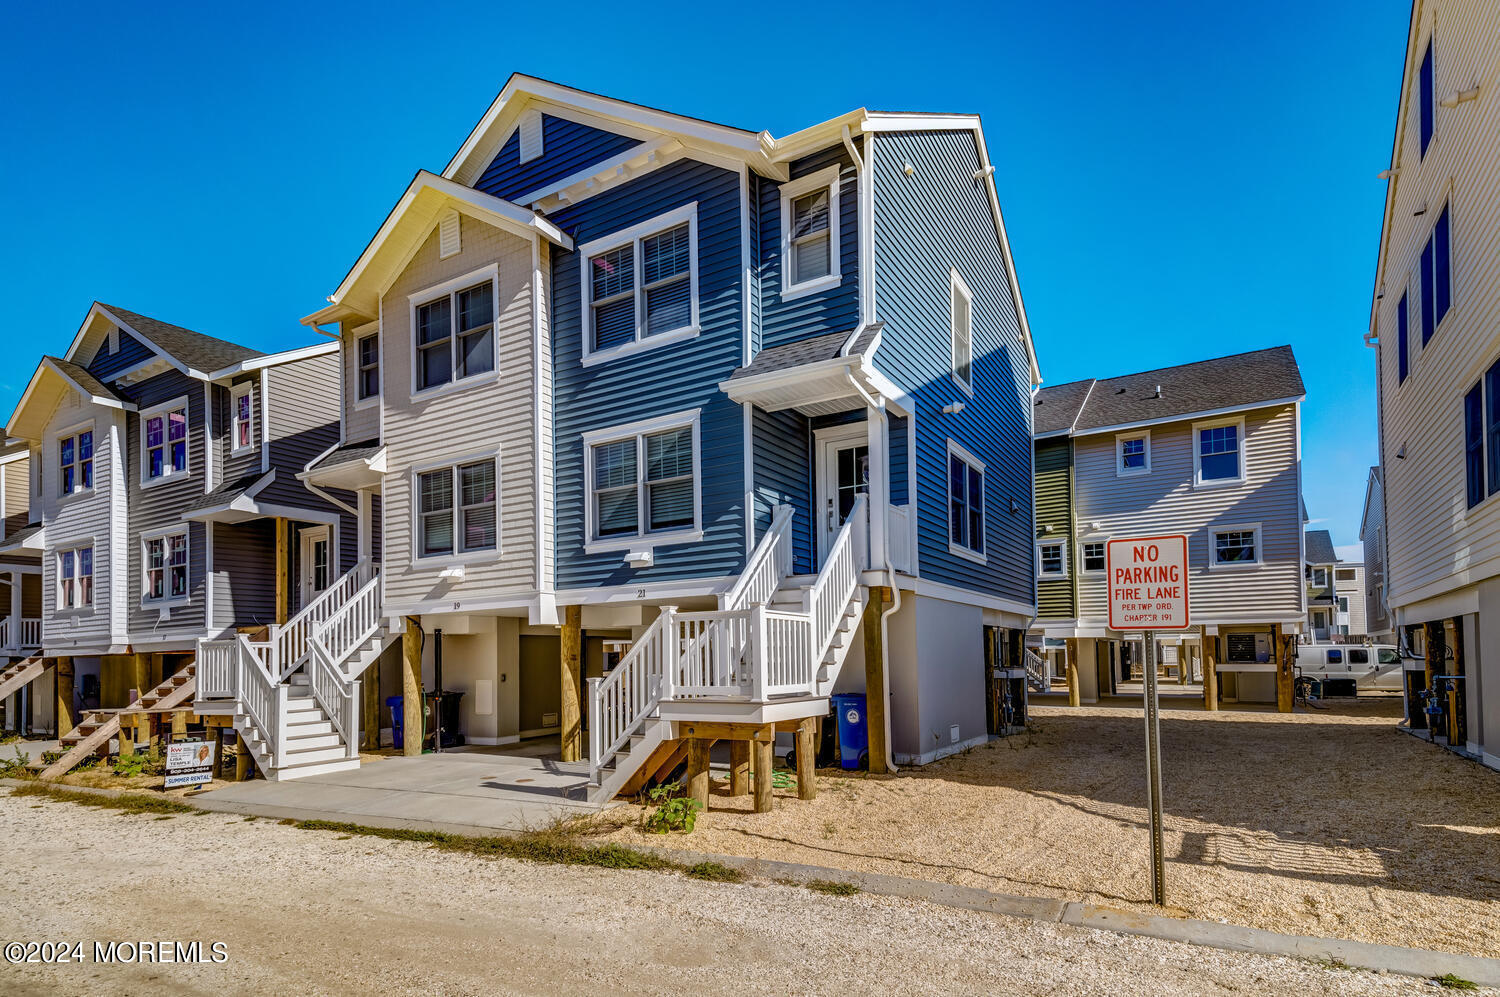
{"x": 1147, "y": 583}
{"x": 190, "y": 763}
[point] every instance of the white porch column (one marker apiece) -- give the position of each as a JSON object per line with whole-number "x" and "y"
{"x": 880, "y": 483}
{"x": 17, "y": 579}
{"x": 366, "y": 539}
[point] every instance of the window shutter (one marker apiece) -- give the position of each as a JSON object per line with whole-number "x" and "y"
{"x": 531, "y": 135}
{"x": 1401, "y": 322}
{"x": 448, "y": 236}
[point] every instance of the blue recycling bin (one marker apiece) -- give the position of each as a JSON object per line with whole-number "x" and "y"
{"x": 854, "y": 733}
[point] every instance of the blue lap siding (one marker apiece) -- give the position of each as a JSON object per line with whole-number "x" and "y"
{"x": 928, "y": 223}
{"x": 567, "y": 147}
{"x": 129, "y": 352}
{"x": 673, "y": 378}
{"x": 783, "y": 476}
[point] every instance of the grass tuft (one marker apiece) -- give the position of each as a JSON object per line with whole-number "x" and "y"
{"x": 130, "y": 803}
{"x": 714, "y": 872}
{"x": 832, "y": 887}
{"x": 1451, "y": 982}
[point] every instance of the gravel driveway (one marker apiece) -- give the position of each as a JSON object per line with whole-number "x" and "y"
{"x": 313, "y": 911}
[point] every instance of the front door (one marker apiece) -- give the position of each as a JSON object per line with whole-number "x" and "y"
{"x": 843, "y": 475}
{"x": 316, "y": 567}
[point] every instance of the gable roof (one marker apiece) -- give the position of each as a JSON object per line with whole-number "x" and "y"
{"x": 1056, "y": 408}
{"x": 1319, "y": 548}
{"x": 201, "y": 353}
{"x": 1223, "y": 384}
{"x": 87, "y": 383}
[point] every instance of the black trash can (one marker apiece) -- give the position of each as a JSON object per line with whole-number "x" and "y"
{"x": 452, "y": 729}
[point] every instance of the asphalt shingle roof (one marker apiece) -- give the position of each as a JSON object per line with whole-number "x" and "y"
{"x": 1056, "y": 407}
{"x": 1223, "y": 382}
{"x": 349, "y": 453}
{"x": 200, "y": 352}
{"x": 88, "y": 382}
{"x": 227, "y": 492}
{"x": 806, "y": 351}
{"x": 1319, "y": 547}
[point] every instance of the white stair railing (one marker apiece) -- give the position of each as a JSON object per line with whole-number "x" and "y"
{"x": 349, "y": 626}
{"x": 828, "y": 598}
{"x": 262, "y": 700}
{"x": 335, "y": 693}
{"x": 769, "y": 564}
{"x": 621, "y": 702}
{"x": 31, "y": 632}
{"x": 1036, "y": 671}
{"x": 289, "y": 640}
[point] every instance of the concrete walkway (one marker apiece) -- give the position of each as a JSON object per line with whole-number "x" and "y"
{"x": 465, "y": 788}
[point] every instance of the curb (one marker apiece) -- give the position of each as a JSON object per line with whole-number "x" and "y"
{"x": 1422, "y": 963}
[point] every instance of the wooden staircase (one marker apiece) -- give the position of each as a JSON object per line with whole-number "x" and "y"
{"x": 19, "y": 675}
{"x": 93, "y": 733}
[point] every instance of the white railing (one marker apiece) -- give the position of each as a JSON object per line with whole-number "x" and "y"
{"x": 784, "y": 649}
{"x": 216, "y": 662}
{"x": 828, "y": 598}
{"x": 261, "y": 699}
{"x": 289, "y": 640}
{"x": 28, "y": 639}
{"x": 349, "y": 626}
{"x": 716, "y": 656}
{"x": 1036, "y": 671}
{"x": 335, "y": 693}
{"x": 769, "y": 564}
{"x": 5, "y": 632}
{"x": 31, "y": 631}
{"x": 623, "y": 700}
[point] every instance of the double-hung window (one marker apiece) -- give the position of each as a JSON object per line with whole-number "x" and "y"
{"x": 641, "y": 285}
{"x": 1052, "y": 559}
{"x": 1427, "y": 95}
{"x": 1236, "y": 546}
{"x": 1093, "y": 556}
{"x": 1474, "y": 444}
{"x": 458, "y": 509}
{"x": 1219, "y": 452}
{"x": 242, "y": 417}
{"x": 1437, "y": 276}
{"x": 166, "y": 558}
{"x": 961, "y": 328}
{"x": 810, "y": 233}
{"x": 1402, "y": 321}
{"x": 965, "y": 502}
{"x": 75, "y": 462}
{"x": 164, "y": 441}
{"x": 454, "y": 334}
{"x": 75, "y": 578}
{"x": 644, "y": 480}
{"x": 1133, "y": 454}
{"x": 368, "y": 349}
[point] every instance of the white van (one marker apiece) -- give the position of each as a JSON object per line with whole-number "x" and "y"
{"x": 1345, "y": 669}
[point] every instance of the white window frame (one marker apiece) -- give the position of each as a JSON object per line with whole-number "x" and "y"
{"x": 1320, "y": 577}
{"x": 452, "y": 464}
{"x": 237, "y": 392}
{"x": 634, "y": 236}
{"x": 1082, "y": 570}
{"x": 167, "y": 473}
{"x": 957, "y": 286}
{"x": 1121, "y": 471}
{"x": 643, "y": 539}
{"x": 450, "y": 288}
{"x": 166, "y": 599}
{"x": 1213, "y": 547}
{"x": 1198, "y": 480}
{"x": 977, "y": 556}
{"x": 74, "y": 432}
{"x": 1057, "y": 576}
{"x": 373, "y": 332}
{"x": 74, "y": 607}
{"x": 790, "y": 192}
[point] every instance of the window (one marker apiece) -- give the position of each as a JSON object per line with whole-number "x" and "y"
{"x": 1343, "y": 604}
{"x": 1401, "y": 325}
{"x": 75, "y": 462}
{"x": 458, "y": 509}
{"x": 961, "y": 321}
{"x": 166, "y": 567}
{"x": 1093, "y": 556}
{"x": 164, "y": 441}
{"x": 455, "y": 335}
{"x": 242, "y": 417}
{"x": 1344, "y": 574}
{"x": 1219, "y": 452}
{"x": 810, "y": 233}
{"x": 1320, "y": 577}
{"x": 1474, "y": 444}
{"x": 368, "y": 348}
{"x": 1052, "y": 559}
{"x": 1437, "y": 286}
{"x": 643, "y": 481}
{"x": 1359, "y": 656}
{"x": 1236, "y": 546}
{"x": 75, "y": 578}
{"x": 1427, "y": 109}
{"x": 965, "y": 503}
{"x": 641, "y": 285}
{"x": 1132, "y": 454}
{"x": 1492, "y": 425}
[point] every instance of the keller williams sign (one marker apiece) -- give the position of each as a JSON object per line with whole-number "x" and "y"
{"x": 1148, "y": 586}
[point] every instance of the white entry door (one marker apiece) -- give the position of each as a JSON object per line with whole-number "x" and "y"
{"x": 316, "y": 564}
{"x": 843, "y": 474}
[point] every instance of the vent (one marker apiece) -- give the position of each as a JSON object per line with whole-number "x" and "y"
{"x": 531, "y": 135}
{"x": 448, "y": 238}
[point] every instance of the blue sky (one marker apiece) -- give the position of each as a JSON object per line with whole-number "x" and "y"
{"x": 1195, "y": 182}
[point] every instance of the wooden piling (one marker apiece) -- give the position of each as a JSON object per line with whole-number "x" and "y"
{"x": 739, "y": 768}
{"x": 696, "y": 778}
{"x": 243, "y": 769}
{"x": 1284, "y": 689}
{"x": 876, "y": 694}
{"x": 62, "y": 669}
{"x": 764, "y": 761}
{"x": 411, "y": 687}
{"x": 572, "y": 684}
{"x": 283, "y": 570}
{"x": 1070, "y": 659}
{"x": 807, "y": 758}
{"x": 1210, "y": 673}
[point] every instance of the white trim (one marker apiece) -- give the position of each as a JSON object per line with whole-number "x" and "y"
{"x": 375, "y": 332}
{"x": 1213, "y": 545}
{"x": 306, "y": 538}
{"x": 450, "y": 289}
{"x": 826, "y": 438}
{"x": 830, "y": 178}
{"x": 236, "y": 392}
{"x": 270, "y": 360}
{"x": 1121, "y": 471}
{"x": 209, "y": 443}
{"x": 609, "y": 173}
{"x": 166, "y": 601}
{"x": 928, "y": 588}
{"x": 1048, "y": 541}
{"x": 72, "y": 432}
{"x": 958, "y": 286}
{"x": 1125, "y": 427}
{"x": 74, "y": 546}
{"x": 633, "y": 236}
{"x": 1241, "y": 454}
{"x": 413, "y": 476}
{"x": 980, "y": 556}
{"x": 1083, "y": 542}
{"x": 643, "y": 539}
{"x": 167, "y": 473}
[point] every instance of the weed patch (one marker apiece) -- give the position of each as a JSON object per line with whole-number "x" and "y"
{"x": 15, "y": 767}
{"x": 1450, "y": 982}
{"x": 832, "y": 887}
{"x": 714, "y": 872}
{"x": 130, "y": 803}
{"x": 674, "y": 811}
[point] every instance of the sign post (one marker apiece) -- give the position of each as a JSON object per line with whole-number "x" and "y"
{"x": 1148, "y": 591}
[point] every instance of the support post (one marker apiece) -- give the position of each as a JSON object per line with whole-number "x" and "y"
{"x": 140, "y": 674}
{"x": 1432, "y": 653}
{"x": 283, "y": 571}
{"x": 369, "y": 720}
{"x": 242, "y": 767}
{"x": 63, "y": 690}
{"x": 1453, "y": 642}
{"x": 126, "y": 737}
{"x": 1284, "y": 690}
{"x": 572, "y": 682}
{"x": 411, "y": 687}
{"x": 1070, "y": 652}
{"x": 1210, "y": 673}
{"x": 1153, "y": 770}
{"x": 807, "y": 757}
{"x": 876, "y": 696}
{"x": 764, "y": 756}
{"x": 697, "y": 769}
{"x": 739, "y": 768}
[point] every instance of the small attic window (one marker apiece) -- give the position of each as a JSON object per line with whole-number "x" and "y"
{"x": 531, "y": 135}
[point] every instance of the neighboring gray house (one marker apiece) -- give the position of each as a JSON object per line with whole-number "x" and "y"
{"x": 1211, "y": 450}
{"x": 1372, "y": 534}
{"x": 1322, "y": 600}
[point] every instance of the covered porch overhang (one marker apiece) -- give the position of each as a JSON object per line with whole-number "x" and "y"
{"x": 352, "y": 467}
{"x": 234, "y": 501}
{"x": 822, "y": 375}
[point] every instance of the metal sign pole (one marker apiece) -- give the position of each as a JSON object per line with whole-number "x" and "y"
{"x": 1153, "y": 769}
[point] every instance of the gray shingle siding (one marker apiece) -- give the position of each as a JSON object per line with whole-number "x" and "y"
{"x": 131, "y": 352}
